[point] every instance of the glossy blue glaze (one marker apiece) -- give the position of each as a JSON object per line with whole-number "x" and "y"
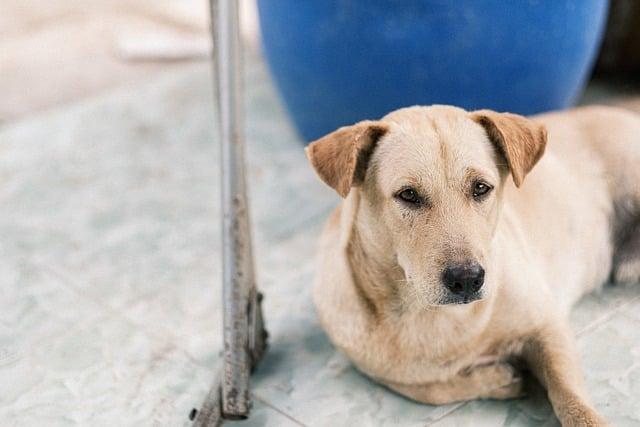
{"x": 336, "y": 62}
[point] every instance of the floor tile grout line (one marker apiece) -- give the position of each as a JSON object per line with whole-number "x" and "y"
{"x": 108, "y": 310}
{"x": 630, "y": 369}
{"x": 278, "y": 410}
{"x": 119, "y": 313}
{"x": 45, "y": 343}
{"x": 607, "y": 316}
{"x": 457, "y": 406}
{"x": 50, "y": 339}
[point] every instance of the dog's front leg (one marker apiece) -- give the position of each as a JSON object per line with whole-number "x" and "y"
{"x": 493, "y": 381}
{"x": 552, "y": 358}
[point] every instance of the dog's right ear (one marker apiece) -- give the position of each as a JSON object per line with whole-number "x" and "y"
{"x": 340, "y": 158}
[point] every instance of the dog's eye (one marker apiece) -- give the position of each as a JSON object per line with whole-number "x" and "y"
{"x": 481, "y": 189}
{"x": 409, "y": 195}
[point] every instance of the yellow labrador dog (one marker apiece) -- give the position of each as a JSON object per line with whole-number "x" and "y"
{"x": 459, "y": 247}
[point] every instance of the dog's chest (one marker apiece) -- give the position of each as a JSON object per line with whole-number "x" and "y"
{"x": 410, "y": 350}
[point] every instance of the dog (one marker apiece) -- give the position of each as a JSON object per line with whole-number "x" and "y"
{"x": 463, "y": 240}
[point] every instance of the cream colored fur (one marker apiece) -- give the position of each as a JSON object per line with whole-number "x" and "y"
{"x": 378, "y": 291}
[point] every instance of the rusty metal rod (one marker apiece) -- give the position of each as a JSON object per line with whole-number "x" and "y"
{"x": 237, "y": 267}
{"x": 243, "y": 327}
{"x": 210, "y": 414}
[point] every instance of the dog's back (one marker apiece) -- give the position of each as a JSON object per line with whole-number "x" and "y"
{"x": 564, "y": 208}
{"x": 580, "y": 206}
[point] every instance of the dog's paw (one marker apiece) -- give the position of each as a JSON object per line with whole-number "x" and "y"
{"x": 580, "y": 415}
{"x": 498, "y": 381}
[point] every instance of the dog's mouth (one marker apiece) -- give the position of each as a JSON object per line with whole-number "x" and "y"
{"x": 451, "y": 299}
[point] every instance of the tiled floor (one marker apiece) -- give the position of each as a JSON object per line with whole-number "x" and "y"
{"x": 109, "y": 266}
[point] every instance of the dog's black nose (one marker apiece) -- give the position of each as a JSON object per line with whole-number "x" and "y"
{"x": 464, "y": 279}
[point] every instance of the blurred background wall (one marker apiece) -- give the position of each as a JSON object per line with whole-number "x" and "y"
{"x": 58, "y": 51}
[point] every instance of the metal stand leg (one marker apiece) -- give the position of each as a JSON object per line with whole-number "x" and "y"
{"x": 244, "y": 334}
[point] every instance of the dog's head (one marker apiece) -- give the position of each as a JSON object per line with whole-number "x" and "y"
{"x": 430, "y": 183}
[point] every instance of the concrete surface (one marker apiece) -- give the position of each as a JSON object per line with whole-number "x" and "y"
{"x": 110, "y": 270}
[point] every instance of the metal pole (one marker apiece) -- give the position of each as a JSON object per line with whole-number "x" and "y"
{"x": 237, "y": 273}
{"x": 243, "y": 328}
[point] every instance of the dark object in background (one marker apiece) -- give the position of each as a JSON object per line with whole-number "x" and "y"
{"x": 620, "y": 54}
{"x": 336, "y": 62}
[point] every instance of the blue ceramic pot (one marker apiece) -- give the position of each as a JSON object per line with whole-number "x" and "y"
{"x": 336, "y": 62}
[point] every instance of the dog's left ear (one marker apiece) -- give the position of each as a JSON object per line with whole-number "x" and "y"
{"x": 520, "y": 140}
{"x": 341, "y": 157}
